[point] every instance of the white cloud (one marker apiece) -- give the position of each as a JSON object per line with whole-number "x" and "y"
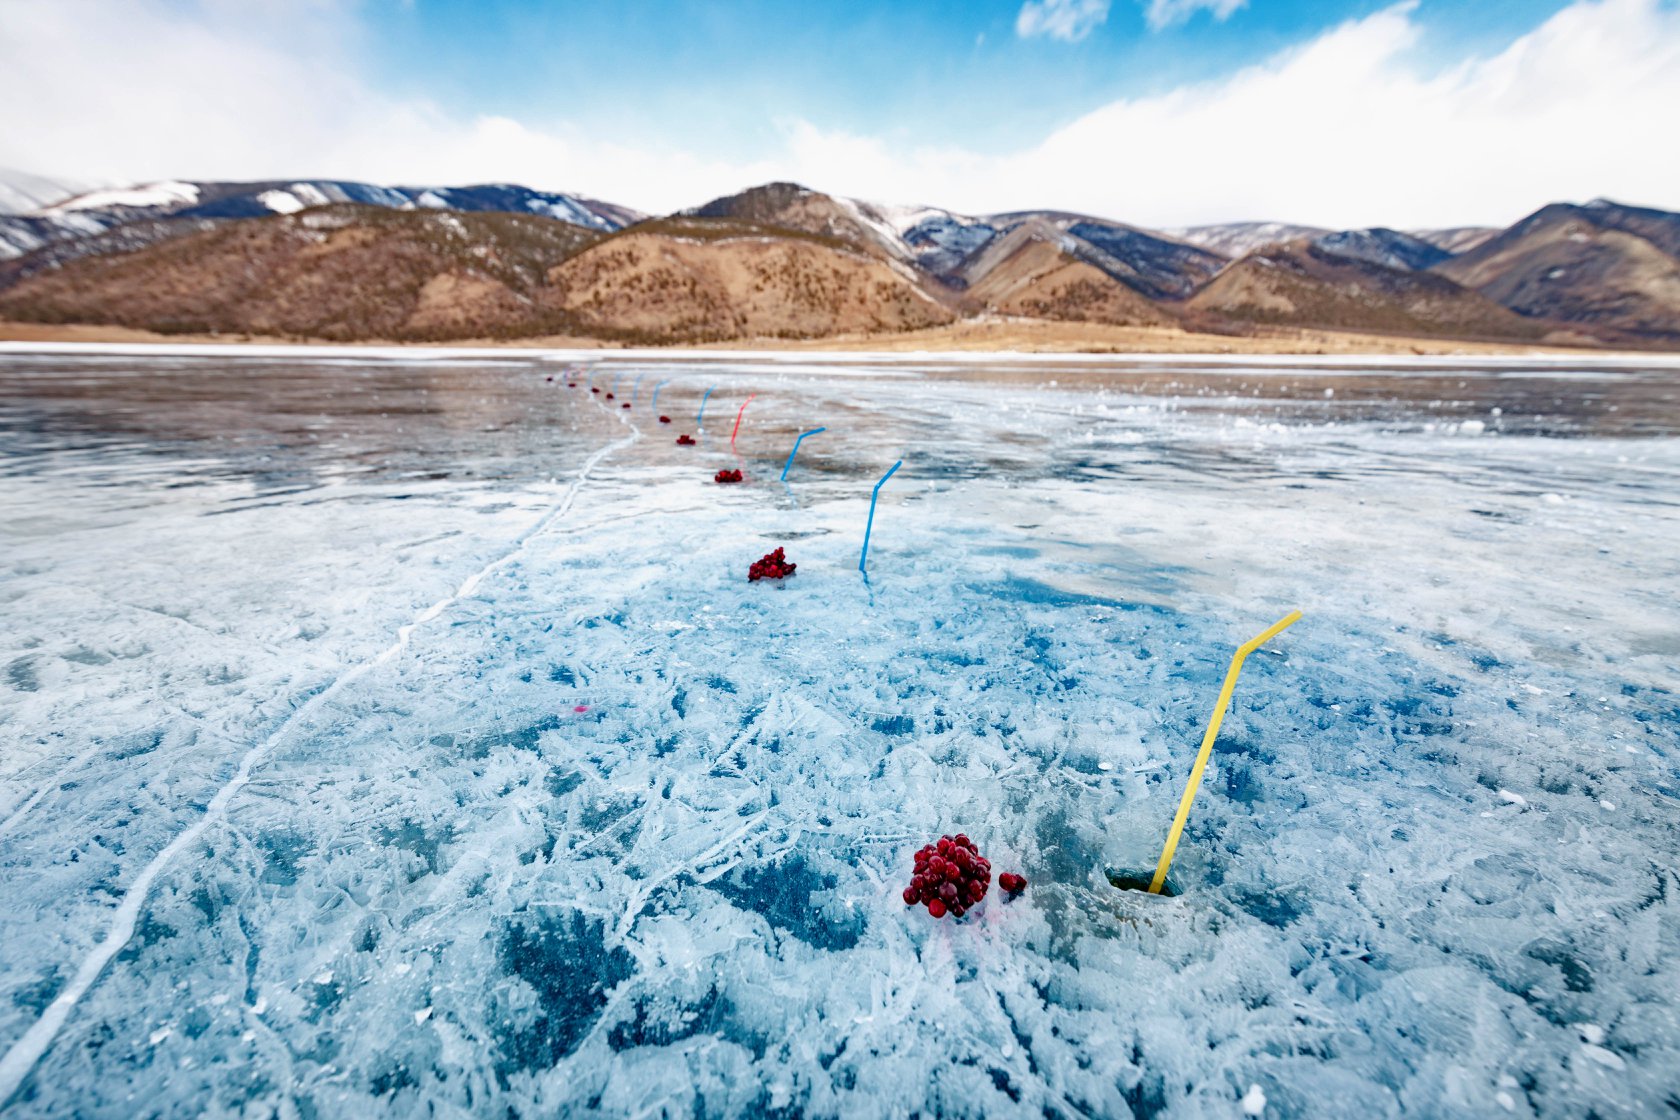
{"x": 1168, "y": 13}
{"x": 1067, "y": 20}
{"x": 1349, "y": 129}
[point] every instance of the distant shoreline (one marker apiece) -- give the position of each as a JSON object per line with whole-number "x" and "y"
{"x": 1005, "y": 336}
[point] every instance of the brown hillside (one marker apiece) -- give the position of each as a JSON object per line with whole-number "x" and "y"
{"x": 1039, "y": 280}
{"x": 1296, "y": 285}
{"x": 693, "y": 280}
{"x": 1564, "y": 264}
{"x": 341, "y": 272}
{"x": 791, "y": 206}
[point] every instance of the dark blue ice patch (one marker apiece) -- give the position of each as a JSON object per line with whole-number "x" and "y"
{"x": 1016, "y": 589}
{"x": 1278, "y": 909}
{"x": 564, "y": 957}
{"x": 518, "y": 738}
{"x": 659, "y": 1021}
{"x": 782, "y": 893}
{"x": 20, "y": 674}
{"x": 411, "y": 836}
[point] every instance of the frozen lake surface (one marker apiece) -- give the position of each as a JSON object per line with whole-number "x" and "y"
{"x": 399, "y": 734}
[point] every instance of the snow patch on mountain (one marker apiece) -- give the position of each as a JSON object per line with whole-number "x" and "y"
{"x": 281, "y": 202}
{"x": 1238, "y": 239}
{"x": 24, "y": 193}
{"x": 169, "y": 193}
{"x": 1387, "y": 247}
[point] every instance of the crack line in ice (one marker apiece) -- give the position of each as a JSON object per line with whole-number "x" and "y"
{"x": 21, "y": 1058}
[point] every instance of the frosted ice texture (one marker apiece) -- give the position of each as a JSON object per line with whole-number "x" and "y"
{"x": 1432, "y": 870}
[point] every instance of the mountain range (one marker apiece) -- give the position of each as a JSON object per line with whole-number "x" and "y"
{"x": 342, "y": 260}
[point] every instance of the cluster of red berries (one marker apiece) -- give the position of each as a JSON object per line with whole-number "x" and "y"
{"x": 664, "y": 419}
{"x": 772, "y": 565}
{"x": 952, "y": 877}
{"x": 727, "y": 476}
{"x": 685, "y": 440}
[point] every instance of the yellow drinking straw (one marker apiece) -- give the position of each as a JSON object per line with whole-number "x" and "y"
{"x": 1177, "y": 829}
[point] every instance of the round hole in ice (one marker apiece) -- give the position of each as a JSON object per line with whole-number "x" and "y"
{"x": 1127, "y": 879}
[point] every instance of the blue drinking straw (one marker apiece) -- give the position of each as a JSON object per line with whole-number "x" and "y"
{"x": 636, "y": 387}
{"x": 795, "y": 450}
{"x": 700, "y": 420}
{"x": 863, "y": 560}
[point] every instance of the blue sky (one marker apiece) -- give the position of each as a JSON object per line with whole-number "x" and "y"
{"x": 1343, "y": 113}
{"x": 952, "y": 70}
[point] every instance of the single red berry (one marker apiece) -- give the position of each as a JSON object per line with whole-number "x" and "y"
{"x": 624, "y": 406}
{"x": 961, "y": 858}
{"x": 958, "y": 911}
{"x": 944, "y": 845}
{"x": 609, "y": 396}
{"x": 948, "y": 892}
{"x": 551, "y": 379}
{"x": 952, "y": 871}
{"x": 962, "y": 839}
{"x": 664, "y": 419}
{"x": 592, "y": 389}
{"x": 936, "y": 908}
{"x": 910, "y": 896}
{"x": 571, "y": 384}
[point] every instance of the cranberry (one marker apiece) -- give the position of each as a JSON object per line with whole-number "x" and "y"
{"x": 624, "y": 406}
{"x": 571, "y": 384}
{"x": 664, "y": 419}
{"x": 773, "y": 565}
{"x": 911, "y": 896}
{"x": 727, "y": 476}
{"x": 592, "y": 389}
{"x": 609, "y": 396}
{"x": 952, "y": 877}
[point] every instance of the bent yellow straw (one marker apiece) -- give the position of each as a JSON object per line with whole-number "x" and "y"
{"x": 1177, "y": 829}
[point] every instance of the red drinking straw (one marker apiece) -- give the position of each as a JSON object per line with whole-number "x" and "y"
{"x": 738, "y": 416}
